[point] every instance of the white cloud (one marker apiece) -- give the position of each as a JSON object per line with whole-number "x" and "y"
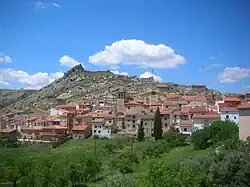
{"x": 139, "y": 53}
{"x": 148, "y": 75}
{"x": 68, "y": 61}
{"x": 120, "y": 73}
{"x": 5, "y": 58}
{"x": 56, "y": 5}
{"x": 43, "y": 5}
{"x": 4, "y": 83}
{"x": 233, "y": 74}
{"x": 33, "y": 81}
{"x": 212, "y": 67}
{"x": 246, "y": 87}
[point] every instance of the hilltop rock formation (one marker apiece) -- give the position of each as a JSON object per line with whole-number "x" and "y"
{"x": 78, "y": 83}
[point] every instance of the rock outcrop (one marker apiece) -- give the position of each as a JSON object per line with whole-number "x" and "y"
{"x": 78, "y": 83}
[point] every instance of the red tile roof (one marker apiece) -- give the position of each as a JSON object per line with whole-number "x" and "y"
{"x": 54, "y": 127}
{"x": 199, "y": 116}
{"x": 120, "y": 116}
{"x": 245, "y": 106}
{"x": 87, "y": 101}
{"x": 201, "y": 109}
{"x": 170, "y": 103}
{"x": 231, "y": 99}
{"x": 229, "y": 109}
{"x": 7, "y": 130}
{"x": 80, "y": 127}
{"x": 108, "y": 116}
{"x": 186, "y": 123}
{"x": 131, "y": 103}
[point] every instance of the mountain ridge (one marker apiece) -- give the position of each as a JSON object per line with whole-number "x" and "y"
{"x": 78, "y": 83}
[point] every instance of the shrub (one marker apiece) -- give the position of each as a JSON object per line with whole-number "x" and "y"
{"x": 175, "y": 139}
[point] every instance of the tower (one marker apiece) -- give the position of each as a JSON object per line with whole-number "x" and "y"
{"x": 121, "y": 95}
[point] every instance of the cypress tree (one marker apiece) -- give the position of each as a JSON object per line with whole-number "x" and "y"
{"x": 157, "y": 134}
{"x": 140, "y": 132}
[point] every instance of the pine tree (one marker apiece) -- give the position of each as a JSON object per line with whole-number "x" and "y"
{"x": 140, "y": 133}
{"x": 157, "y": 134}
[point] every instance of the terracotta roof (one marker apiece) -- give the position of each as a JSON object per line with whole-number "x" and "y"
{"x": 139, "y": 101}
{"x": 182, "y": 102}
{"x": 232, "y": 99}
{"x": 229, "y": 109}
{"x": 212, "y": 113}
{"x": 80, "y": 127}
{"x": 245, "y": 106}
{"x": 47, "y": 118}
{"x": 131, "y": 114}
{"x": 7, "y": 130}
{"x": 166, "y": 111}
{"x": 199, "y": 116}
{"x": 170, "y": 103}
{"x": 185, "y": 109}
{"x": 189, "y": 97}
{"x": 64, "y": 111}
{"x": 120, "y": 116}
{"x": 31, "y": 119}
{"x": 179, "y": 113}
{"x": 54, "y": 127}
{"x": 98, "y": 120}
{"x": 186, "y": 122}
{"x": 201, "y": 109}
{"x": 131, "y": 103}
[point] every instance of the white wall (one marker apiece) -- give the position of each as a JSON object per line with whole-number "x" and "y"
{"x": 232, "y": 116}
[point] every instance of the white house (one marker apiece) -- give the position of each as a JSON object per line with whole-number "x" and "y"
{"x": 230, "y": 114}
{"x": 101, "y": 129}
{"x": 200, "y": 121}
{"x": 186, "y": 127}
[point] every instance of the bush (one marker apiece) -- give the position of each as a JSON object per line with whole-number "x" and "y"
{"x": 218, "y": 131}
{"x": 175, "y": 139}
{"x": 156, "y": 149}
{"x": 119, "y": 180}
{"x": 124, "y": 162}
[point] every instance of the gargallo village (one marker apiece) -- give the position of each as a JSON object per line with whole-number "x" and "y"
{"x": 90, "y": 118}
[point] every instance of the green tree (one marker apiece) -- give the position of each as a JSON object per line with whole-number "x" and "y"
{"x": 218, "y": 131}
{"x": 157, "y": 134}
{"x": 13, "y": 171}
{"x": 119, "y": 180}
{"x": 175, "y": 139}
{"x": 140, "y": 133}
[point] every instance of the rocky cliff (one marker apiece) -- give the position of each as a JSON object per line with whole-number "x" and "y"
{"x": 78, "y": 83}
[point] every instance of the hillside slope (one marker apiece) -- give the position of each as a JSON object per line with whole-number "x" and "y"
{"x": 78, "y": 83}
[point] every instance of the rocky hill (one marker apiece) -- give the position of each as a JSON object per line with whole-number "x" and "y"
{"x": 78, "y": 83}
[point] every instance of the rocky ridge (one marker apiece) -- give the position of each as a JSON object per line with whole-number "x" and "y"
{"x": 78, "y": 83}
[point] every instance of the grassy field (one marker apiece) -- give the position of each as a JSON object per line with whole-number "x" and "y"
{"x": 73, "y": 150}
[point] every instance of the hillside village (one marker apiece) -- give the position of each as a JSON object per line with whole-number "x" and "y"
{"x": 92, "y": 118}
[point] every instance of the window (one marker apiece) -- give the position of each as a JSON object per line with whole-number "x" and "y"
{"x": 128, "y": 107}
{"x": 99, "y": 131}
{"x": 145, "y": 123}
{"x": 133, "y": 116}
{"x": 175, "y": 116}
{"x": 151, "y": 110}
{"x": 227, "y": 117}
{"x": 128, "y": 125}
{"x": 185, "y": 129}
{"x": 133, "y": 126}
{"x": 123, "y": 123}
{"x": 94, "y": 131}
{"x": 234, "y": 117}
{"x": 100, "y": 127}
{"x": 95, "y": 126}
{"x": 133, "y": 121}
{"x": 109, "y": 121}
{"x": 128, "y": 120}
{"x": 108, "y": 131}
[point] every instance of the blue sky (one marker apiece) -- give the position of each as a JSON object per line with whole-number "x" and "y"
{"x": 187, "y": 42}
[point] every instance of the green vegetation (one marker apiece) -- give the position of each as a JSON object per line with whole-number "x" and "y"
{"x": 173, "y": 160}
{"x": 140, "y": 134}
{"x": 157, "y": 134}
